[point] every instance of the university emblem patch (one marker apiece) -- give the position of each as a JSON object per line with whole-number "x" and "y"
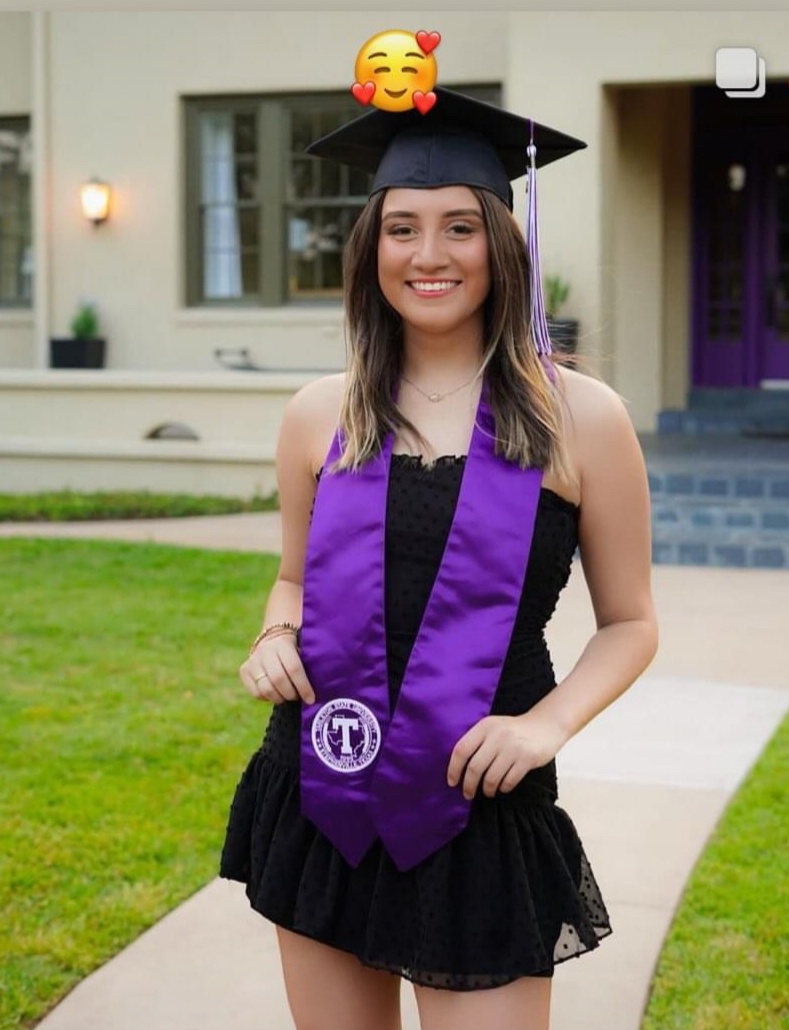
{"x": 346, "y": 735}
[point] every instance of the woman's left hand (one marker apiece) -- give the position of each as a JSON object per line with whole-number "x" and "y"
{"x": 500, "y": 749}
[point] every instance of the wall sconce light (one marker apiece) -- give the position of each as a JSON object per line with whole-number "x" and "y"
{"x": 95, "y": 197}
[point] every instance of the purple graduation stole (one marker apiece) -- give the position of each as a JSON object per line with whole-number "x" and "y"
{"x": 367, "y": 772}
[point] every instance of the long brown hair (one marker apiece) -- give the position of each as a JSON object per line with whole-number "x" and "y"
{"x": 528, "y": 410}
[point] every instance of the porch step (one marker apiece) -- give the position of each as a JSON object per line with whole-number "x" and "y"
{"x": 738, "y": 399}
{"x": 750, "y": 554}
{"x": 723, "y": 420}
{"x": 727, "y": 534}
{"x": 733, "y": 515}
{"x": 705, "y": 481}
{"x": 711, "y": 410}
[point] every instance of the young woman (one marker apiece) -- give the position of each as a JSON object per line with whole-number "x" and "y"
{"x": 400, "y": 817}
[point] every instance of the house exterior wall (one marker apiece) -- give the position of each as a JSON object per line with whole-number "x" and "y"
{"x": 105, "y": 92}
{"x": 615, "y": 219}
{"x": 116, "y": 86}
{"x": 15, "y": 83}
{"x": 16, "y": 98}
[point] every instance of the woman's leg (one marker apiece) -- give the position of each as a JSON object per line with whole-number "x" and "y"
{"x": 524, "y": 1004}
{"x": 329, "y": 989}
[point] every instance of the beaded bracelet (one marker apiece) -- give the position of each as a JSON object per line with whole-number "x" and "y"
{"x": 287, "y": 626}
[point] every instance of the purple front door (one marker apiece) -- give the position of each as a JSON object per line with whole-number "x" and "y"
{"x": 741, "y": 256}
{"x": 774, "y": 357}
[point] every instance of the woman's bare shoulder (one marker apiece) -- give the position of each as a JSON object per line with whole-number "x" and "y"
{"x": 601, "y": 435}
{"x": 594, "y": 410}
{"x": 324, "y": 397}
{"x": 597, "y": 425}
{"x": 588, "y": 399}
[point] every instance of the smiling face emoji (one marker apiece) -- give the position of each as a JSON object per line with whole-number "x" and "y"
{"x": 396, "y": 65}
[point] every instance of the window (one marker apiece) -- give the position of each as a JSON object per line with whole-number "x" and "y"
{"x": 16, "y": 249}
{"x": 266, "y": 223}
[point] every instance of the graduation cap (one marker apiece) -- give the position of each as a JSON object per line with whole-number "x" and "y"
{"x": 459, "y": 142}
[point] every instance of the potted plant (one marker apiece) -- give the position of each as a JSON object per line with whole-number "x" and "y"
{"x": 84, "y": 348}
{"x": 563, "y": 331}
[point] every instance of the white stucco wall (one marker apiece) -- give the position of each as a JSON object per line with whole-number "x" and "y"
{"x": 608, "y": 237}
{"x": 116, "y": 83}
{"x": 15, "y": 85}
{"x": 16, "y": 327}
{"x": 111, "y": 83}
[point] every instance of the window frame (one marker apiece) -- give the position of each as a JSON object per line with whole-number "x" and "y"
{"x": 273, "y": 111}
{"x": 12, "y": 123}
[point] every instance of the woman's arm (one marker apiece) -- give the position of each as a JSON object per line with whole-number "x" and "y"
{"x": 615, "y": 542}
{"x": 615, "y": 546}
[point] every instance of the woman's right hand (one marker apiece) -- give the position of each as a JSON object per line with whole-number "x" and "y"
{"x": 284, "y": 679}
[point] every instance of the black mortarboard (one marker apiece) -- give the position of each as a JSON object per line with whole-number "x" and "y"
{"x": 459, "y": 142}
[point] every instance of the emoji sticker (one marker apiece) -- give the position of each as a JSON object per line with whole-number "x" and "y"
{"x": 396, "y": 71}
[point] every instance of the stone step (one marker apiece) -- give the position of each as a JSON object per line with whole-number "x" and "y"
{"x": 751, "y": 551}
{"x": 728, "y": 516}
{"x": 771, "y": 422}
{"x": 719, "y": 500}
{"x": 713, "y": 481}
{"x": 739, "y": 399}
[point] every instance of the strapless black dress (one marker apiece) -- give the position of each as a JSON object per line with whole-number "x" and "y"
{"x": 513, "y": 894}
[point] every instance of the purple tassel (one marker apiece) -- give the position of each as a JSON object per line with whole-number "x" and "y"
{"x": 539, "y": 323}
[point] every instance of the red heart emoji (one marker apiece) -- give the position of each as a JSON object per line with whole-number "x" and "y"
{"x": 423, "y": 102}
{"x": 363, "y": 93}
{"x": 427, "y": 41}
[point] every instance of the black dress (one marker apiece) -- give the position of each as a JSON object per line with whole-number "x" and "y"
{"x": 513, "y": 894}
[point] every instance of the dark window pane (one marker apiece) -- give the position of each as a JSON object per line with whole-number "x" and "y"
{"x": 246, "y": 182}
{"x": 331, "y": 118}
{"x": 246, "y": 133}
{"x": 316, "y": 239}
{"x": 359, "y": 183}
{"x": 302, "y": 130}
{"x": 331, "y": 269}
{"x": 330, "y": 179}
{"x": 250, "y": 272}
{"x": 303, "y": 178}
{"x": 305, "y": 275}
{"x": 713, "y": 324}
{"x": 716, "y": 284}
{"x": 249, "y": 227}
{"x": 16, "y": 251}
{"x": 782, "y": 189}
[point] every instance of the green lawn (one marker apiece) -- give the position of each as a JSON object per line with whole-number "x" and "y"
{"x": 70, "y": 506}
{"x": 725, "y": 964}
{"x": 123, "y": 730}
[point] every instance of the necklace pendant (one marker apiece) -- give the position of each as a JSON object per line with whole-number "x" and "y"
{"x": 434, "y": 396}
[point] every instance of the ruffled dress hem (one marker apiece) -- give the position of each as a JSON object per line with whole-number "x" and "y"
{"x": 512, "y": 895}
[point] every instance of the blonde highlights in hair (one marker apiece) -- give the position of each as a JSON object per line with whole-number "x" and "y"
{"x": 528, "y": 409}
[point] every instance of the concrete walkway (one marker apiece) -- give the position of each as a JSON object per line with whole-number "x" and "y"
{"x": 645, "y": 784}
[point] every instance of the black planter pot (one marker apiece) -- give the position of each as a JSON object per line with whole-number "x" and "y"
{"x": 71, "y": 352}
{"x": 564, "y": 334}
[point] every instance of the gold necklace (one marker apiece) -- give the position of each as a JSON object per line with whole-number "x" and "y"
{"x": 440, "y": 396}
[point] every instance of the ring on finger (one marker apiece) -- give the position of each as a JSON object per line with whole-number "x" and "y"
{"x": 260, "y": 677}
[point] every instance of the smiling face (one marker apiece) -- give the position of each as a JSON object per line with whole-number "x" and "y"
{"x": 397, "y": 67}
{"x": 433, "y": 258}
